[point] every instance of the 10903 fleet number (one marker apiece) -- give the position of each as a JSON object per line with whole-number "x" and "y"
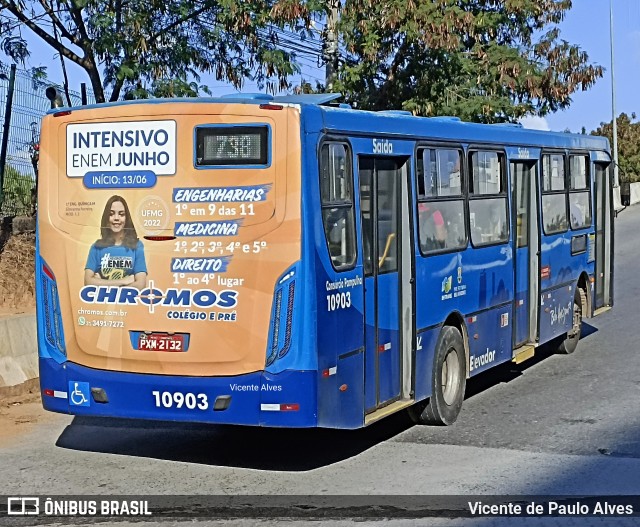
{"x": 190, "y": 401}
{"x": 338, "y": 301}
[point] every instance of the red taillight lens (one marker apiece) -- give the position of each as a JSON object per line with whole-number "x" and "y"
{"x": 48, "y": 272}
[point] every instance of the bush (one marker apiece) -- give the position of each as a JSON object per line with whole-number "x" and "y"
{"x": 17, "y": 192}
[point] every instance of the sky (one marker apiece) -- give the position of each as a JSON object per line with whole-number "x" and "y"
{"x": 586, "y": 24}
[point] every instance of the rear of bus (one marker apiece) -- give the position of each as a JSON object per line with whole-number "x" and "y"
{"x": 199, "y": 325}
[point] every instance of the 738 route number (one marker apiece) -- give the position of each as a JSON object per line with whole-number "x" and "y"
{"x": 190, "y": 401}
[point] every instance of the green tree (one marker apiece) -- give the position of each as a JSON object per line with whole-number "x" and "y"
{"x": 628, "y": 145}
{"x": 17, "y": 192}
{"x": 482, "y": 60}
{"x": 137, "y": 47}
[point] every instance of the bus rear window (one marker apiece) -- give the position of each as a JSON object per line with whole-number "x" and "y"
{"x": 232, "y": 145}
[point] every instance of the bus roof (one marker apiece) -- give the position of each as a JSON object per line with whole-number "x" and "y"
{"x": 314, "y": 99}
{"x": 341, "y": 118}
{"x": 404, "y": 125}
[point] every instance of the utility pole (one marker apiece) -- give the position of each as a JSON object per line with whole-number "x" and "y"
{"x": 616, "y": 178}
{"x": 617, "y": 201}
{"x": 330, "y": 47}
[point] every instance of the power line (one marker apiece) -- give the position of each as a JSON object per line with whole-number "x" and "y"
{"x": 305, "y": 46}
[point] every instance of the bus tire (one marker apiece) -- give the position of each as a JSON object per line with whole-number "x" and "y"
{"x": 570, "y": 342}
{"x": 449, "y": 379}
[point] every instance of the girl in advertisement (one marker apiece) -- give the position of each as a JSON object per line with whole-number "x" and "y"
{"x": 117, "y": 258}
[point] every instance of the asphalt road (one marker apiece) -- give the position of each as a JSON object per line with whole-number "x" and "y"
{"x": 555, "y": 425}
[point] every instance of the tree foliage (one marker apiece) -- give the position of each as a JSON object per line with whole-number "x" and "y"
{"x": 140, "y": 47}
{"x": 628, "y": 145}
{"x": 482, "y": 60}
{"x": 16, "y": 192}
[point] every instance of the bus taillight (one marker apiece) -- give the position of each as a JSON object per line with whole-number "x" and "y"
{"x": 51, "y": 311}
{"x": 280, "y": 333}
{"x": 271, "y": 107}
{"x": 48, "y": 272}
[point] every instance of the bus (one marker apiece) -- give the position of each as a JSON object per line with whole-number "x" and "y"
{"x": 288, "y": 261}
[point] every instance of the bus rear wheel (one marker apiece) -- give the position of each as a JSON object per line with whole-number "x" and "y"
{"x": 448, "y": 381}
{"x": 570, "y": 343}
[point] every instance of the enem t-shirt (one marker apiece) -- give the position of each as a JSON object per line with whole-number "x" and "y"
{"x": 116, "y": 261}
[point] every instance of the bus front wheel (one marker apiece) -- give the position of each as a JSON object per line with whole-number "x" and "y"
{"x": 448, "y": 381}
{"x": 570, "y": 343}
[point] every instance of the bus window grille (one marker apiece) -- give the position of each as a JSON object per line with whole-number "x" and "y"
{"x": 276, "y": 328}
{"x": 287, "y": 334}
{"x": 46, "y": 300}
{"x": 57, "y": 319}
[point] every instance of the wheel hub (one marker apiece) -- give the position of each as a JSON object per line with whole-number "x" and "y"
{"x": 450, "y": 377}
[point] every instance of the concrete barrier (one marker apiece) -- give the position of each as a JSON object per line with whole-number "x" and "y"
{"x": 18, "y": 350}
{"x": 634, "y": 189}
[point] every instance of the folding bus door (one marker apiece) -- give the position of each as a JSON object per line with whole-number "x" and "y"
{"x": 603, "y": 297}
{"x": 383, "y": 206}
{"x": 526, "y": 242}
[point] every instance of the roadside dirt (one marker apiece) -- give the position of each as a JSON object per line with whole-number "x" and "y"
{"x": 17, "y": 280}
{"x": 20, "y": 406}
{"x": 20, "y": 413}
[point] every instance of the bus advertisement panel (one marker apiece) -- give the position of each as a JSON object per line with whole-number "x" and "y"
{"x": 161, "y": 242}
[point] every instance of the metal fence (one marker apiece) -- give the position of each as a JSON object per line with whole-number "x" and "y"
{"x": 29, "y": 103}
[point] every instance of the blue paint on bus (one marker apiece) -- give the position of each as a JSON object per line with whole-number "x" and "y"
{"x": 338, "y": 363}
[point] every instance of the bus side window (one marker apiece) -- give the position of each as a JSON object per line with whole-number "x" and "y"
{"x": 487, "y": 199}
{"x": 336, "y": 194}
{"x": 441, "y": 220}
{"x": 579, "y": 193}
{"x": 554, "y": 196}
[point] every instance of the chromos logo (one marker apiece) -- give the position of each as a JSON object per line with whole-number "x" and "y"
{"x": 152, "y": 297}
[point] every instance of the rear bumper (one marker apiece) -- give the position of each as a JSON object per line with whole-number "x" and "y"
{"x": 287, "y": 399}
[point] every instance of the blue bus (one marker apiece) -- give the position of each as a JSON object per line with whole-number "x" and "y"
{"x": 291, "y": 262}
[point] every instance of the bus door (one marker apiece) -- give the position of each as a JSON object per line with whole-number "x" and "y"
{"x": 526, "y": 252}
{"x": 385, "y": 235}
{"x": 603, "y": 235}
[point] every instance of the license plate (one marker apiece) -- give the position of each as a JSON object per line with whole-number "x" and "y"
{"x": 160, "y": 342}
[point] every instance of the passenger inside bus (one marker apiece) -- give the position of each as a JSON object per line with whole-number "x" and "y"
{"x": 433, "y": 230}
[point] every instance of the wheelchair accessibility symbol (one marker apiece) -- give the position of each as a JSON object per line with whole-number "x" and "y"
{"x": 79, "y": 393}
